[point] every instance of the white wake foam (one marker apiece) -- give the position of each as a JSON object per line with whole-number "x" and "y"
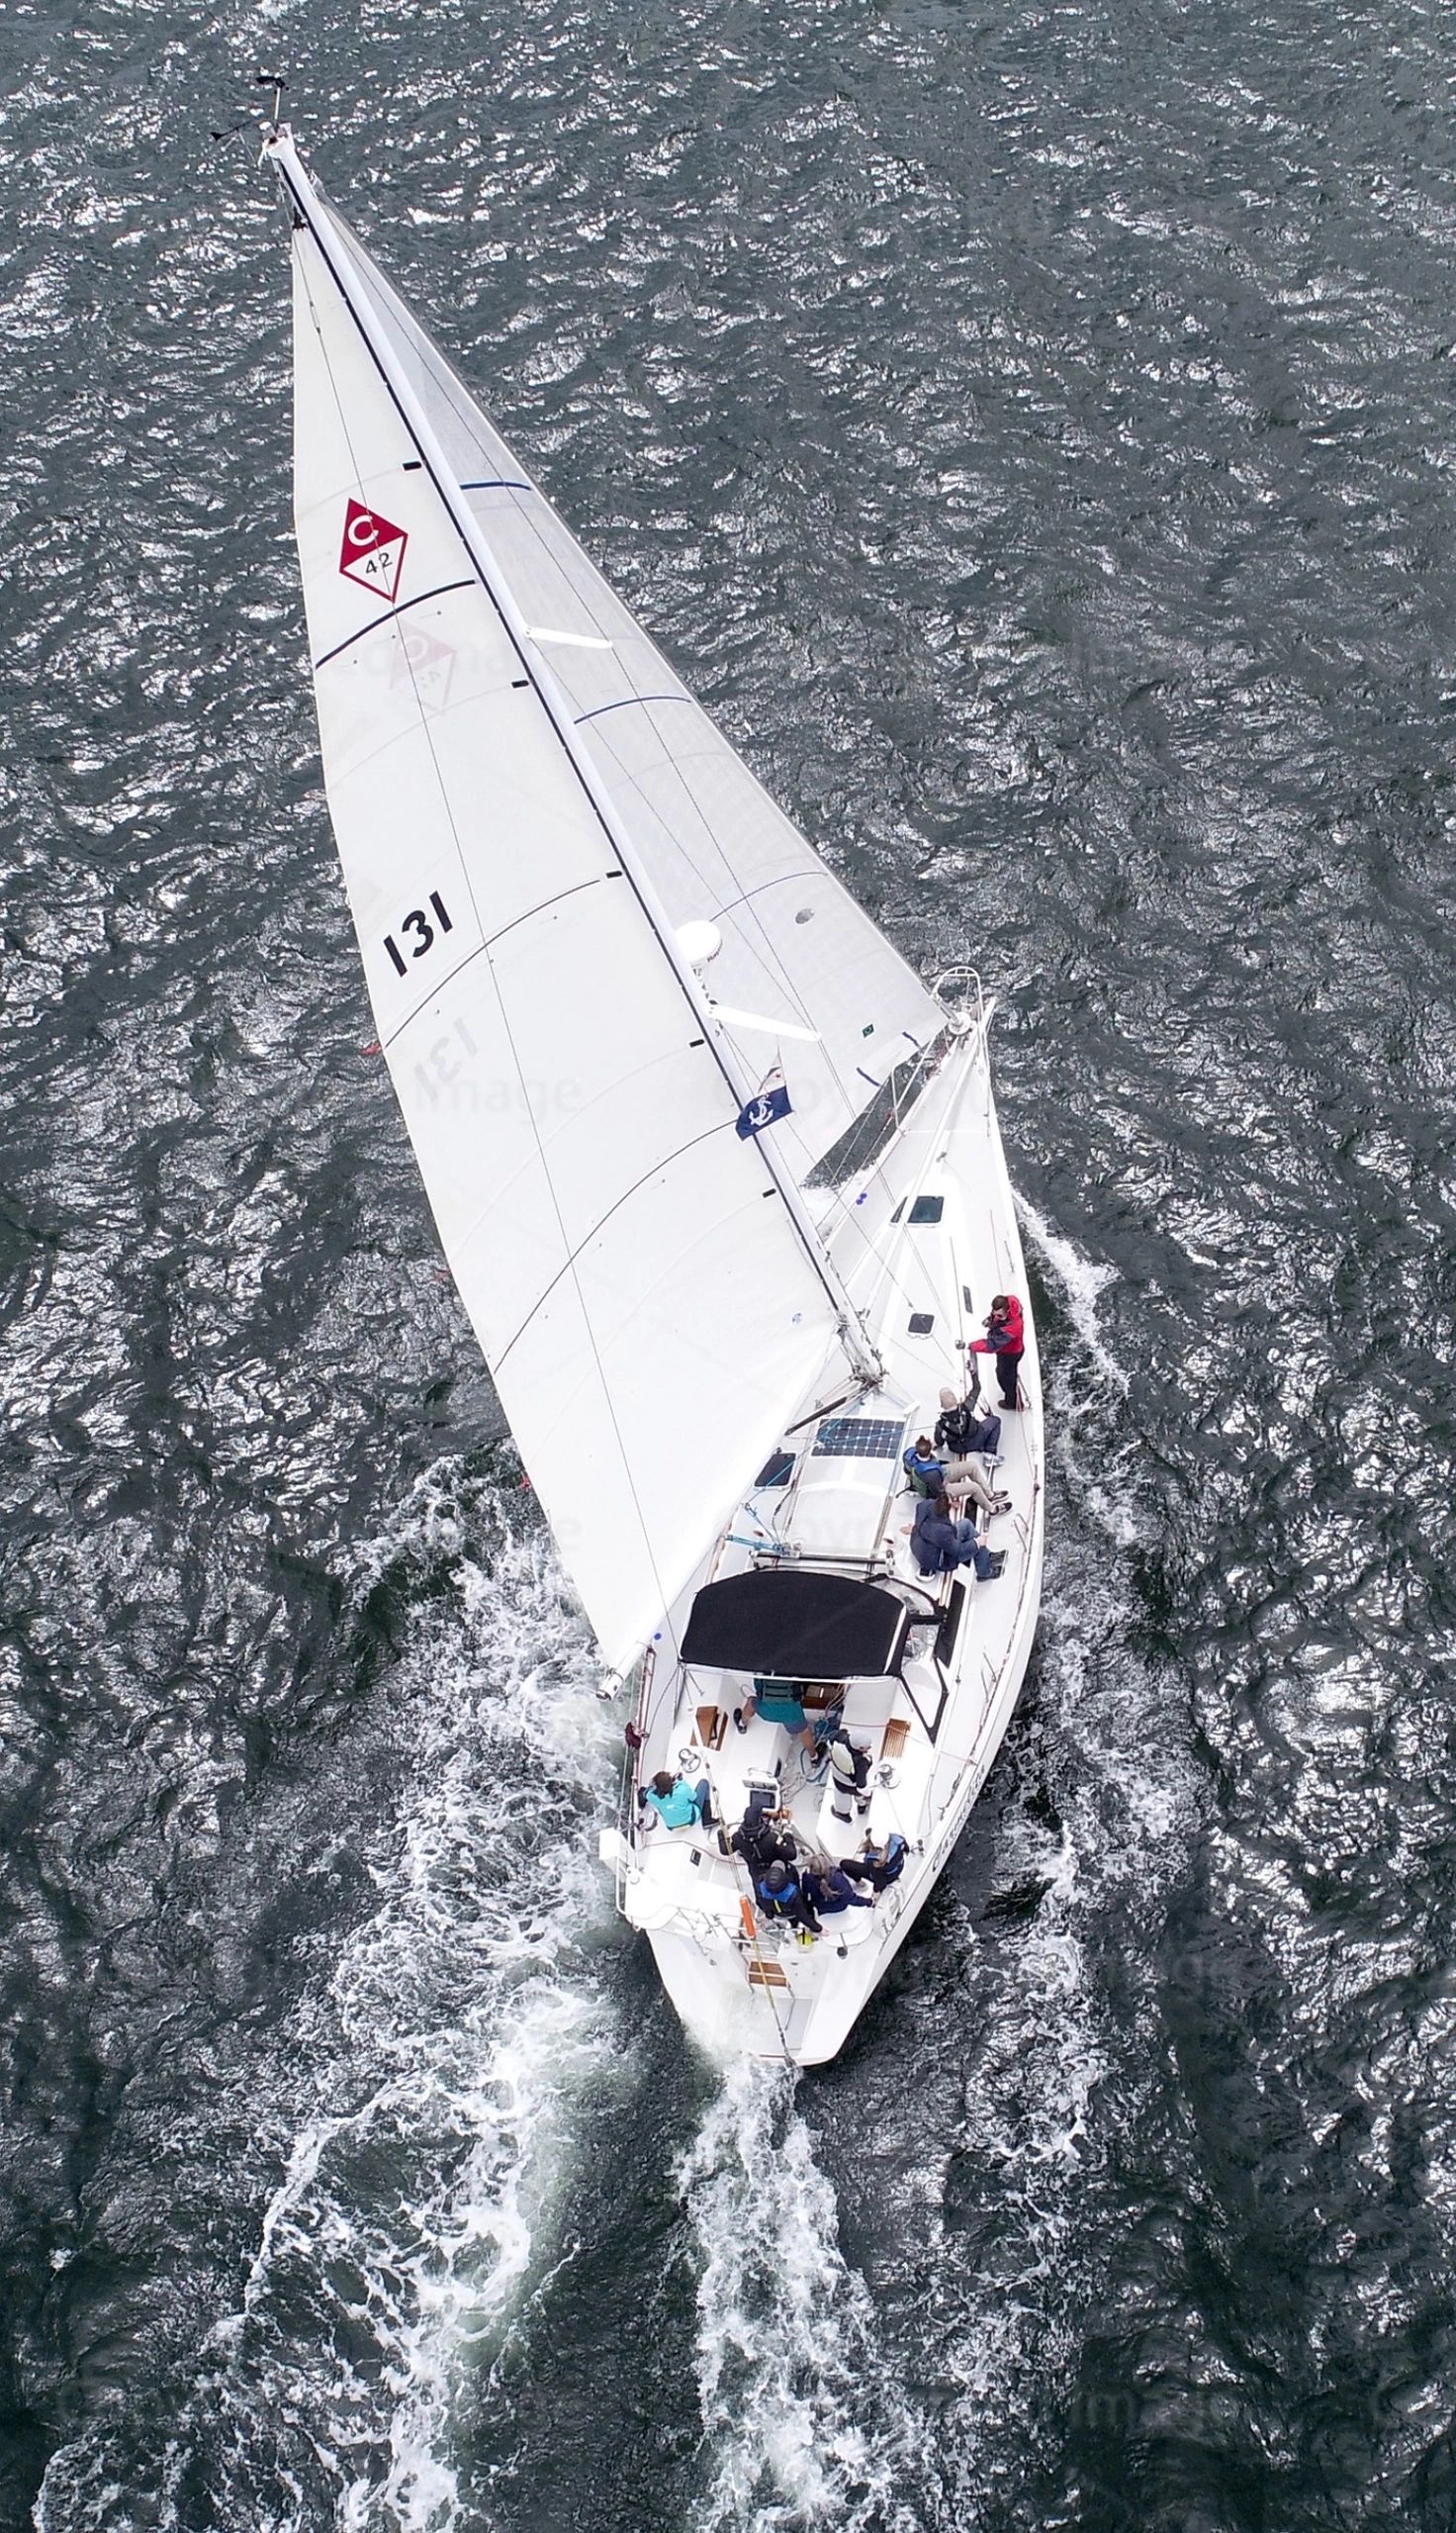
{"x": 802, "y": 2417}
{"x": 1086, "y": 1391}
{"x": 463, "y": 1997}
{"x": 418, "y": 2199}
{"x": 1082, "y": 1281}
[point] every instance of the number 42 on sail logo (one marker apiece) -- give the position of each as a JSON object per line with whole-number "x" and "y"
{"x": 372, "y": 551}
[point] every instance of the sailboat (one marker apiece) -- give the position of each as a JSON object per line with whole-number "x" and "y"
{"x": 717, "y": 1176}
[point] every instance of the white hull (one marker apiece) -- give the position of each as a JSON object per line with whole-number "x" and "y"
{"x": 813, "y": 2031}
{"x": 741, "y": 1985}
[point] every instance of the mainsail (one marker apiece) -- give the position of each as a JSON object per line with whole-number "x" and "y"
{"x": 522, "y": 831}
{"x": 795, "y": 945}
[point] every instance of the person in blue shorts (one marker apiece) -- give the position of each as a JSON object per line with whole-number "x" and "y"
{"x": 778, "y": 1702}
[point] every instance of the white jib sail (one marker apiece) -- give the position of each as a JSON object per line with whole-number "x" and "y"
{"x": 795, "y": 945}
{"x": 648, "y": 1310}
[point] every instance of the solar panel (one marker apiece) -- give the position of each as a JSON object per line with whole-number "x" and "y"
{"x": 857, "y": 1438}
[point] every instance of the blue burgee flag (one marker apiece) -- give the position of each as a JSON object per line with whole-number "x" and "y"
{"x": 769, "y": 1103}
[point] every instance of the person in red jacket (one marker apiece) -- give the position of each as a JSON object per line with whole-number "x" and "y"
{"x": 1005, "y": 1339}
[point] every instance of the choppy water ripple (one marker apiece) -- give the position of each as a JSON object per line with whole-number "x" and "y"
{"x": 1032, "y": 433}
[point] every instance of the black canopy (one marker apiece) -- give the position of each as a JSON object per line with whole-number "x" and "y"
{"x": 786, "y": 1623}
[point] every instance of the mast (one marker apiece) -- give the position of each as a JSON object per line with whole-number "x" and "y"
{"x": 278, "y": 146}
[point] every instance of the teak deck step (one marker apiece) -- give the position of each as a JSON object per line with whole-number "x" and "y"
{"x": 897, "y": 1735}
{"x": 712, "y": 1723}
{"x": 766, "y": 1973}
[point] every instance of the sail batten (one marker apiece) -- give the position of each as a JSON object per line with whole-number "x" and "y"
{"x": 572, "y": 1107}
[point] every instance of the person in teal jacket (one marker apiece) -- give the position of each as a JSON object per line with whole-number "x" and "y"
{"x": 678, "y": 1804}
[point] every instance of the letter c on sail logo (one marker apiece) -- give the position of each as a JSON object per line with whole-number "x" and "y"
{"x": 372, "y": 551}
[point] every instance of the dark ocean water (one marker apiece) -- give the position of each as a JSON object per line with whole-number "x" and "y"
{"x": 1029, "y": 427}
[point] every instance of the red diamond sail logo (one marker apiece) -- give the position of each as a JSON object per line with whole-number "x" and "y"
{"x": 372, "y": 551}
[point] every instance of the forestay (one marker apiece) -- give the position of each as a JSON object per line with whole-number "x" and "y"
{"x": 646, "y": 1306}
{"x": 796, "y": 948}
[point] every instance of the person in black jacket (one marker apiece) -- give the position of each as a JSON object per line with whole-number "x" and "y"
{"x": 965, "y": 1425}
{"x": 760, "y": 1841}
{"x": 780, "y": 1894}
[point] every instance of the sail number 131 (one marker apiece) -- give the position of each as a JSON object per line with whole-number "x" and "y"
{"x": 419, "y": 923}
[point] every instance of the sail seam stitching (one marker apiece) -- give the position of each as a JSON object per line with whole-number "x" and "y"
{"x": 333, "y": 388}
{"x": 482, "y": 947}
{"x": 569, "y": 1261}
{"x": 623, "y": 701}
{"x": 388, "y": 618}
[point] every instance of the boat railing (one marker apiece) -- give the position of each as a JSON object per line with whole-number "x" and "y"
{"x": 962, "y": 971}
{"x": 626, "y": 1845}
{"x": 864, "y": 1144}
